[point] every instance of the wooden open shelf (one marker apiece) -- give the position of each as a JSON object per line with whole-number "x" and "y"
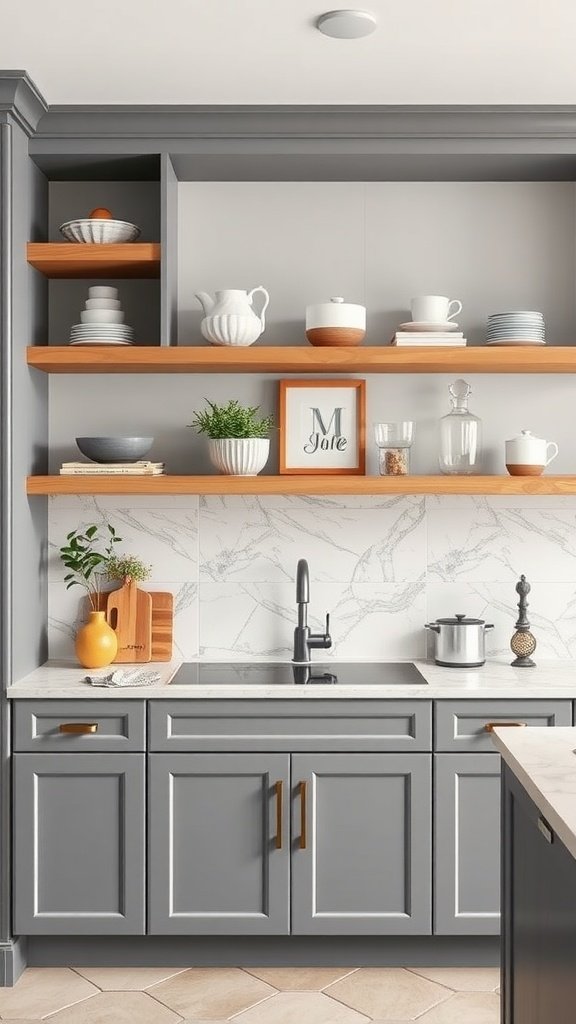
{"x": 79, "y": 259}
{"x": 478, "y": 485}
{"x": 299, "y": 359}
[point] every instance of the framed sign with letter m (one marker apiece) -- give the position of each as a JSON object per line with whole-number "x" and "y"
{"x": 322, "y": 426}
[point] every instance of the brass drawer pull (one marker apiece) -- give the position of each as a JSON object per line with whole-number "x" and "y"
{"x": 80, "y": 728}
{"x": 490, "y": 726}
{"x": 303, "y": 836}
{"x": 278, "y": 786}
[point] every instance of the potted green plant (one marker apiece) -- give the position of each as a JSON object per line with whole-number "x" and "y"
{"x": 86, "y": 555}
{"x": 127, "y": 568}
{"x": 238, "y": 441}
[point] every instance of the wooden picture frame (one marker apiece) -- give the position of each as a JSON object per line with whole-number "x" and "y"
{"x": 338, "y": 447}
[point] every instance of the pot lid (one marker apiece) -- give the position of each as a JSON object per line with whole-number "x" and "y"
{"x": 460, "y": 620}
{"x": 525, "y": 435}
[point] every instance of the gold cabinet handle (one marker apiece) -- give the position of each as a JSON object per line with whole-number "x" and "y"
{"x": 278, "y": 788}
{"x": 303, "y": 836}
{"x": 80, "y": 728}
{"x": 490, "y": 726}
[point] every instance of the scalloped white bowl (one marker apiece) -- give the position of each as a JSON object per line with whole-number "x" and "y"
{"x": 100, "y": 232}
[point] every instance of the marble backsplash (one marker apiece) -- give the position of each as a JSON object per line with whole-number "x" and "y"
{"x": 381, "y": 566}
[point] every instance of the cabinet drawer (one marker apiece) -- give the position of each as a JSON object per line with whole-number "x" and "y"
{"x": 290, "y": 725}
{"x": 120, "y": 725}
{"x": 459, "y": 724}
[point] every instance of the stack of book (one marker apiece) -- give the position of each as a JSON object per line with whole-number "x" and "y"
{"x": 142, "y": 468}
{"x": 451, "y": 339}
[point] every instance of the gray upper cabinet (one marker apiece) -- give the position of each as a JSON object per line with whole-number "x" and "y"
{"x": 361, "y": 844}
{"x": 219, "y": 844}
{"x": 79, "y": 844}
{"x": 467, "y": 844}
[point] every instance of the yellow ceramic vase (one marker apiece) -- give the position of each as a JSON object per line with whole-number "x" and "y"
{"x": 96, "y": 643}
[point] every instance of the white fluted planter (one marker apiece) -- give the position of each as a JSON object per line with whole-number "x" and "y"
{"x": 239, "y": 456}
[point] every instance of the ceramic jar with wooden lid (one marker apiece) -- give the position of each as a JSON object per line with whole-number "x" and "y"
{"x": 527, "y": 455}
{"x": 335, "y": 323}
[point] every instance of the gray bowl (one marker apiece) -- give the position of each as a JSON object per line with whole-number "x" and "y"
{"x": 114, "y": 449}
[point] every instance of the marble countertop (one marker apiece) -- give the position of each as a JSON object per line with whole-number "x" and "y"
{"x": 497, "y": 679}
{"x": 544, "y": 762}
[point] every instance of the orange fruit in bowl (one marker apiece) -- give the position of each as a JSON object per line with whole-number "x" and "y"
{"x": 100, "y": 213}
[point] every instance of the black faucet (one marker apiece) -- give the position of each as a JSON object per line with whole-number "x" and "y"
{"x": 304, "y": 640}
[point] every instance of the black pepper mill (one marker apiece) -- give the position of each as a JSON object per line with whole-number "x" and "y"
{"x": 523, "y": 643}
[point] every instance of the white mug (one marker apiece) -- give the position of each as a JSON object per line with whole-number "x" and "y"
{"x": 434, "y": 308}
{"x": 527, "y": 455}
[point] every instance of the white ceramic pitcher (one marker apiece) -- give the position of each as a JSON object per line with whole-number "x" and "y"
{"x": 229, "y": 319}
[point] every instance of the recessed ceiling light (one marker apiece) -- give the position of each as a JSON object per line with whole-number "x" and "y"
{"x": 346, "y": 24}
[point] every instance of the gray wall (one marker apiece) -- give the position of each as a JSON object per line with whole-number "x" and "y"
{"x": 382, "y": 566}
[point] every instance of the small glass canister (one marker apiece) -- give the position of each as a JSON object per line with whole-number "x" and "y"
{"x": 394, "y": 441}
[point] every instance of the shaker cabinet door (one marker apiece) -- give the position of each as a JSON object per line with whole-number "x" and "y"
{"x": 79, "y": 842}
{"x": 219, "y": 844}
{"x": 361, "y": 847}
{"x": 467, "y": 844}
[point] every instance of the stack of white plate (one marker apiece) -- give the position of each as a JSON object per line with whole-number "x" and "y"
{"x": 102, "y": 320}
{"x": 518, "y": 327}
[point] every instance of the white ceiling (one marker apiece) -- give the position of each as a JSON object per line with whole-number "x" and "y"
{"x": 265, "y": 51}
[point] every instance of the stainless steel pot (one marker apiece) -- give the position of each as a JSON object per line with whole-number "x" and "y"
{"x": 460, "y": 642}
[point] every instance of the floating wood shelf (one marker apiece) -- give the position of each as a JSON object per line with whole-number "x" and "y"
{"x": 479, "y": 485}
{"x": 76, "y": 259}
{"x": 300, "y": 359}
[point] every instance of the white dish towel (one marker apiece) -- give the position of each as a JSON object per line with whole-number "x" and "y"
{"x": 126, "y": 677}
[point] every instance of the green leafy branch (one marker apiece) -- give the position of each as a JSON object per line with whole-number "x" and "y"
{"x": 85, "y": 561}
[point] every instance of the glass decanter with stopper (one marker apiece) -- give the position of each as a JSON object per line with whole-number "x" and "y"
{"x": 460, "y": 434}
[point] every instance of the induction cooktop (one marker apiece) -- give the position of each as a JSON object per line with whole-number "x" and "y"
{"x": 258, "y": 673}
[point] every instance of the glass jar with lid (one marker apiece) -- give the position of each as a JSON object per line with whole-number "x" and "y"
{"x": 460, "y": 434}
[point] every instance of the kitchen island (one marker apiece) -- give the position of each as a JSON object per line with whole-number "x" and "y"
{"x": 539, "y": 875}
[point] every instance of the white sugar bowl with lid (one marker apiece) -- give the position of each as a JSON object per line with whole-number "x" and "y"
{"x": 335, "y": 323}
{"x": 527, "y": 455}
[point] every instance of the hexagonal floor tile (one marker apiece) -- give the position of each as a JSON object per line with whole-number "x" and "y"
{"x": 211, "y": 992}
{"x": 43, "y": 990}
{"x": 300, "y": 979}
{"x": 308, "y": 1007}
{"x": 461, "y": 979}
{"x": 127, "y": 979}
{"x": 120, "y": 1007}
{"x": 471, "y": 1007}
{"x": 388, "y": 993}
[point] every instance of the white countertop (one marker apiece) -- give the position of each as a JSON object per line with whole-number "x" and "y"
{"x": 497, "y": 679}
{"x": 544, "y": 762}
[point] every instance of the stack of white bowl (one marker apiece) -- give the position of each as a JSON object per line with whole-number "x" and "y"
{"x": 102, "y": 320}
{"x": 518, "y": 327}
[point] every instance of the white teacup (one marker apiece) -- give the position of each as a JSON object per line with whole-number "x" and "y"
{"x": 527, "y": 455}
{"x": 435, "y": 309}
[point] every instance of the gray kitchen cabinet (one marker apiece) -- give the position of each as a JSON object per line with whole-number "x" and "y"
{"x": 467, "y": 844}
{"x": 219, "y": 844}
{"x": 79, "y": 829}
{"x": 361, "y": 844}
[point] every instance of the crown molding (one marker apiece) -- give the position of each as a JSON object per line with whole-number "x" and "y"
{"x": 20, "y": 98}
{"x": 268, "y": 123}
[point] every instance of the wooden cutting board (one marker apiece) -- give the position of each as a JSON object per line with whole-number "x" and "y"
{"x": 129, "y": 612}
{"x": 162, "y": 623}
